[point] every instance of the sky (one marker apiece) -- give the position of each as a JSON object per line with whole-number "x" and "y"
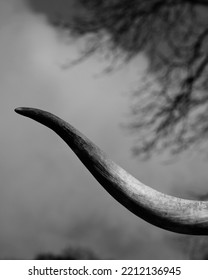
{"x": 48, "y": 201}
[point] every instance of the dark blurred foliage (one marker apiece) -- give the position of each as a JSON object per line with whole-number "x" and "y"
{"x": 170, "y": 108}
{"x": 69, "y": 254}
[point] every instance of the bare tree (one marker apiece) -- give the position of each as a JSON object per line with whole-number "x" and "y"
{"x": 171, "y": 105}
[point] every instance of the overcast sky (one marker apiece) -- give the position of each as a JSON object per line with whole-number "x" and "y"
{"x": 48, "y": 201}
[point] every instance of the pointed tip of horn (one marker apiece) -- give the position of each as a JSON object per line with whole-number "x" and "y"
{"x": 19, "y": 110}
{"x": 23, "y": 110}
{"x": 35, "y": 114}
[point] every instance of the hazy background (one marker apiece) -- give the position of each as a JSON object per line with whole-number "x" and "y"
{"x": 48, "y": 201}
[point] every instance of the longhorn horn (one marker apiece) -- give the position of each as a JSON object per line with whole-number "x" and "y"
{"x": 164, "y": 211}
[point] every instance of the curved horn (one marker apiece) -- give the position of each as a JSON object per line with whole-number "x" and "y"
{"x": 164, "y": 211}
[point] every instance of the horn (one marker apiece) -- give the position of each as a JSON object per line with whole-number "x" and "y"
{"x": 164, "y": 211}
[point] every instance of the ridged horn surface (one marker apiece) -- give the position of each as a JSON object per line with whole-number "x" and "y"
{"x": 164, "y": 211}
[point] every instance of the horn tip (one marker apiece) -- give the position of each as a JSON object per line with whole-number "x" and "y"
{"x": 23, "y": 110}
{"x": 19, "y": 110}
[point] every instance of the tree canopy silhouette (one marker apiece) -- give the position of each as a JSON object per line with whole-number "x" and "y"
{"x": 170, "y": 111}
{"x": 71, "y": 253}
